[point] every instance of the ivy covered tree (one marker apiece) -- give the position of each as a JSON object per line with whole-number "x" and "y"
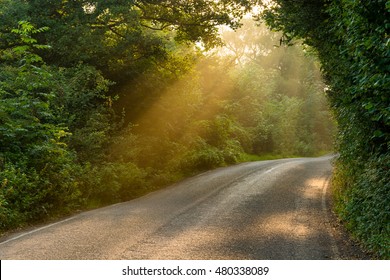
{"x": 352, "y": 41}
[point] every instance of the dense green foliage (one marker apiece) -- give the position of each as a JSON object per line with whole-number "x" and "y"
{"x": 352, "y": 41}
{"x": 103, "y": 102}
{"x": 122, "y": 38}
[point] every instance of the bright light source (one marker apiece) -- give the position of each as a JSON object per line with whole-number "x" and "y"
{"x": 89, "y": 8}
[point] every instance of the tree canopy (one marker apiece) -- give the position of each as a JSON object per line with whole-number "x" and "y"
{"x": 120, "y": 38}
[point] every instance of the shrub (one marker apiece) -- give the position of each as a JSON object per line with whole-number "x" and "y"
{"x": 111, "y": 182}
{"x": 364, "y": 203}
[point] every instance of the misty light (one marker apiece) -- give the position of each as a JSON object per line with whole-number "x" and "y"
{"x": 89, "y": 8}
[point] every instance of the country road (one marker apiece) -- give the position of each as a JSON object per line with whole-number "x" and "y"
{"x": 260, "y": 210}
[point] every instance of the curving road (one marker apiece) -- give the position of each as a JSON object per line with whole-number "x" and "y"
{"x": 259, "y": 210}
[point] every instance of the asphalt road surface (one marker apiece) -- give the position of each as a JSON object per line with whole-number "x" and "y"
{"x": 260, "y": 210}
